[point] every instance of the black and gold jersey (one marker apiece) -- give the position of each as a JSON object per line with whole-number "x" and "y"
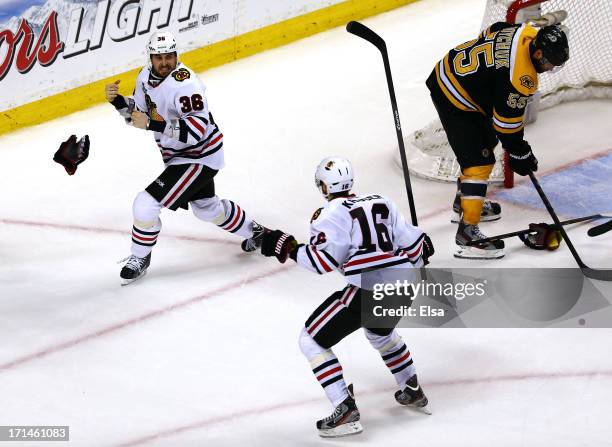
{"x": 492, "y": 75}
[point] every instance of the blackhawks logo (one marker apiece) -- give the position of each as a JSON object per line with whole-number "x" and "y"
{"x": 527, "y": 82}
{"x": 181, "y": 74}
{"x": 152, "y": 108}
{"x": 316, "y": 214}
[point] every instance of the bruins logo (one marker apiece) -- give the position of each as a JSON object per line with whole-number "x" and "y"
{"x": 527, "y": 82}
{"x": 316, "y": 214}
{"x": 181, "y": 74}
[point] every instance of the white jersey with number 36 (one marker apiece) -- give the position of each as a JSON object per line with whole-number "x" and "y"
{"x": 358, "y": 233}
{"x": 190, "y": 134}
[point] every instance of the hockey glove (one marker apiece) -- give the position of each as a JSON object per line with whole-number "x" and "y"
{"x": 428, "y": 249}
{"x": 72, "y": 153}
{"x": 277, "y": 243}
{"x": 125, "y": 107}
{"x": 544, "y": 237}
{"x": 522, "y": 160}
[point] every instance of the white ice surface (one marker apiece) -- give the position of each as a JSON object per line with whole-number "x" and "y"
{"x": 203, "y": 351}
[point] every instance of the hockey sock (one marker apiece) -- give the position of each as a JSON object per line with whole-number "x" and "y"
{"x": 147, "y": 224}
{"x": 473, "y": 192}
{"x": 395, "y": 354}
{"x": 225, "y": 214}
{"x": 326, "y": 368}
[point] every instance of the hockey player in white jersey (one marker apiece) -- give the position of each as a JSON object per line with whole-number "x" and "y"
{"x": 169, "y": 100}
{"x": 352, "y": 234}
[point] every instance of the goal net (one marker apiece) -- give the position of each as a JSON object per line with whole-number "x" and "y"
{"x": 588, "y": 74}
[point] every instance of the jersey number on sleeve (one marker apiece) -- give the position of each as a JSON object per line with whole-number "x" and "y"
{"x": 194, "y": 103}
{"x": 379, "y": 212}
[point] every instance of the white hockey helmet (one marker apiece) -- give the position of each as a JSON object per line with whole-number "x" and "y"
{"x": 161, "y": 42}
{"x": 334, "y": 175}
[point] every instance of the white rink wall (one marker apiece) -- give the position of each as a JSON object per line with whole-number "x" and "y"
{"x": 102, "y": 38}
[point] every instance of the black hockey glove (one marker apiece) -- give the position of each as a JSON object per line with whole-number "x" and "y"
{"x": 125, "y": 107}
{"x": 72, "y": 153}
{"x": 543, "y": 237}
{"x": 279, "y": 244}
{"x": 522, "y": 160}
{"x": 428, "y": 249}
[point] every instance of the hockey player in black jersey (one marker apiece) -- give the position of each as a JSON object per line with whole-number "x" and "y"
{"x": 480, "y": 90}
{"x": 170, "y": 102}
{"x": 352, "y": 234}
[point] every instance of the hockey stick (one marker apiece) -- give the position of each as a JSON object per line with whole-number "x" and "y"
{"x": 602, "y": 275}
{"x": 521, "y": 232}
{"x": 600, "y": 229}
{"x": 366, "y": 33}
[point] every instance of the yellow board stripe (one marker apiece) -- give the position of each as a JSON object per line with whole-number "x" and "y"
{"x": 507, "y": 120}
{"x": 219, "y": 53}
{"x": 458, "y": 87}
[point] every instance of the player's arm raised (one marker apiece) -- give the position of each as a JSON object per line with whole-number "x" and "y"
{"x": 125, "y": 106}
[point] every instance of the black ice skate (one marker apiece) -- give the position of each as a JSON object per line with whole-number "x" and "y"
{"x": 490, "y": 211}
{"x": 413, "y": 396}
{"x": 344, "y": 421}
{"x": 486, "y": 250}
{"x": 254, "y": 242}
{"x": 134, "y": 268}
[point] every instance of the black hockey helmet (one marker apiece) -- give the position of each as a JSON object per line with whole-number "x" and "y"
{"x": 552, "y": 40}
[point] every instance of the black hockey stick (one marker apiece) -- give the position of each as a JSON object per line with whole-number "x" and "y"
{"x": 600, "y": 229}
{"x": 366, "y": 33}
{"x": 521, "y": 232}
{"x": 602, "y": 275}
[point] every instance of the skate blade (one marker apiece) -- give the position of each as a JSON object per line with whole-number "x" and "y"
{"x": 351, "y": 428}
{"x": 456, "y": 218}
{"x": 127, "y": 282}
{"x": 424, "y": 409}
{"x": 478, "y": 253}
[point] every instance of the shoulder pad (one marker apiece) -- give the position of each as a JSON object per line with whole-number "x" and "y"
{"x": 316, "y": 214}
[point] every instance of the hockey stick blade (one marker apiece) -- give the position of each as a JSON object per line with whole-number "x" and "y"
{"x": 360, "y": 30}
{"x": 600, "y": 274}
{"x": 600, "y": 229}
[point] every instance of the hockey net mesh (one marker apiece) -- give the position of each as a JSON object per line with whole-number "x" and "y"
{"x": 588, "y": 74}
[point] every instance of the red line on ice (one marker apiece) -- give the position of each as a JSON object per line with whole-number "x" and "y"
{"x": 295, "y": 404}
{"x": 139, "y": 319}
{"x": 60, "y": 226}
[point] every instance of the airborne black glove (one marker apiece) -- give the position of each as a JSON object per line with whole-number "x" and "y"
{"x": 72, "y": 153}
{"x": 522, "y": 160}
{"x": 277, "y": 243}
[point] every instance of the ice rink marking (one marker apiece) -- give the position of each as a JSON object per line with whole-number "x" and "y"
{"x": 295, "y": 404}
{"x": 140, "y": 319}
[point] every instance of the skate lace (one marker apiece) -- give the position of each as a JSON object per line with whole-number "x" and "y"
{"x": 133, "y": 262}
{"x": 477, "y": 233}
{"x": 337, "y": 412}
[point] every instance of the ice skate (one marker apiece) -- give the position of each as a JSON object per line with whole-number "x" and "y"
{"x": 134, "y": 268}
{"x": 486, "y": 250}
{"x": 490, "y": 211}
{"x": 254, "y": 242}
{"x": 413, "y": 396}
{"x": 344, "y": 421}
